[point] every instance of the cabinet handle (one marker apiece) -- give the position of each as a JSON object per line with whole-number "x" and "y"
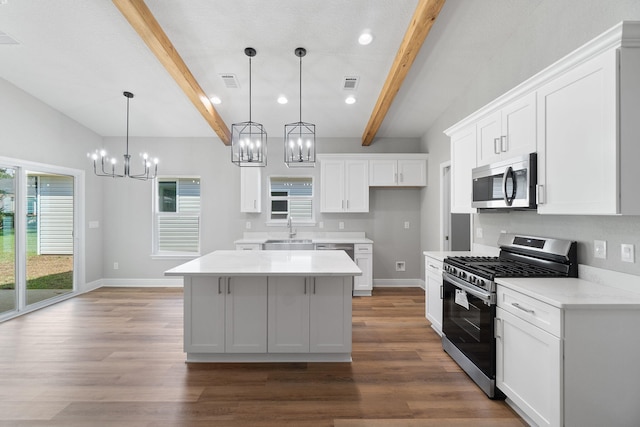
{"x": 347, "y": 204}
{"x": 498, "y": 328}
{"x": 504, "y": 144}
{"x": 496, "y": 148}
{"x": 401, "y": 177}
{"x": 305, "y": 285}
{"x": 229, "y": 285}
{"x": 441, "y": 291}
{"x": 314, "y": 285}
{"x": 540, "y": 194}
{"x": 519, "y": 307}
{"x": 395, "y": 177}
{"x": 219, "y": 289}
{"x": 342, "y": 206}
{"x": 255, "y": 204}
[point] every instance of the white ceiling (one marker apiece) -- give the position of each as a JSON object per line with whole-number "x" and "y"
{"x": 78, "y": 56}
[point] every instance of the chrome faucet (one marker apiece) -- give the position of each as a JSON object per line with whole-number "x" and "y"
{"x": 292, "y": 232}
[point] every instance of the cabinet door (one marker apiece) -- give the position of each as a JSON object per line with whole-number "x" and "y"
{"x": 412, "y": 173}
{"x": 489, "y": 131}
{"x": 288, "y": 314}
{"x": 246, "y": 315}
{"x": 529, "y": 368}
{"x": 433, "y": 302}
{"x": 357, "y": 185}
{"x": 362, "y": 285}
{"x": 330, "y": 315}
{"x": 332, "y": 186}
{"x": 518, "y": 136}
{"x": 250, "y": 189}
{"x": 383, "y": 173}
{"x": 204, "y": 312}
{"x": 577, "y": 140}
{"x": 463, "y": 160}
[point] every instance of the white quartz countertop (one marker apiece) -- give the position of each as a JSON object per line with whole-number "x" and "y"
{"x": 573, "y": 293}
{"x": 269, "y": 263}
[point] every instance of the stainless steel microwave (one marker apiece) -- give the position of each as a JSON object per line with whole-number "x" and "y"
{"x": 508, "y": 184}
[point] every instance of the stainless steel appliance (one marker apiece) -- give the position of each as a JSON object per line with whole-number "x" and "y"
{"x": 469, "y": 297}
{"x": 509, "y": 184}
{"x": 347, "y": 247}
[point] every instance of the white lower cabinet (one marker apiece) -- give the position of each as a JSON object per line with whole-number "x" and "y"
{"x": 528, "y": 362}
{"x": 433, "y": 293}
{"x": 308, "y": 314}
{"x": 363, "y": 257}
{"x": 225, "y": 314}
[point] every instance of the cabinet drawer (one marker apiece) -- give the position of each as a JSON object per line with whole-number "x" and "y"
{"x": 248, "y": 246}
{"x": 363, "y": 248}
{"x": 531, "y": 310}
{"x": 433, "y": 265}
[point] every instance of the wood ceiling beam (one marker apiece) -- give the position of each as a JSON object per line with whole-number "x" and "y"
{"x": 143, "y": 21}
{"x": 423, "y": 18}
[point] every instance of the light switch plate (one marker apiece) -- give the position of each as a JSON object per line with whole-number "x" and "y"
{"x": 406, "y": 224}
{"x": 600, "y": 249}
{"x": 341, "y": 225}
{"x": 479, "y": 233}
{"x": 627, "y": 253}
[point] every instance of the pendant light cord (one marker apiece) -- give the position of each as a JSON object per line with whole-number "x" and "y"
{"x": 128, "y": 125}
{"x": 301, "y": 89}
{"x": 249, "y": 88}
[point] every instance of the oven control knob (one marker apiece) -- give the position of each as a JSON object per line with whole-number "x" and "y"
{"x": 473, "y": 279}
{"x": 463, "y": 274}
{"x": 481, "y": 283}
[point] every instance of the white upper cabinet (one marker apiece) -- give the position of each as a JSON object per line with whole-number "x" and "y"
{"x": 250, "y": 189}
{"x": 580, "y": 115}
{"x": 398, "y": 172}
{"x": 509, "y": 132}
{"x": 588, "y": 147}
{"x": 463, "y": 160}
{"x": 344, "y": 185}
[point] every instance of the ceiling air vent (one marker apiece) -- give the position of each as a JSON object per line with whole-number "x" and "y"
{"x": 7, "y": 39}
{"x": 350, "y": 82}
{"x": 230, "y": 81}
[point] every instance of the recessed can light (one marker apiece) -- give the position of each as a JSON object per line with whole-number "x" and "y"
{"x": 350, "y": 100}
{"x": 282, "y": 99}
{"x": 215, "y": 100}
{"x": 365, "y": 38}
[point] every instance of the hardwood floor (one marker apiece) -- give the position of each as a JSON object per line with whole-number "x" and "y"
{"x": 113, "y": 357}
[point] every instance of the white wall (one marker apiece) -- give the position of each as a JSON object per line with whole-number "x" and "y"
{"x": 554, "y": 29}
{"x": 31, "y": 130}
{"x": 128, "y": 215}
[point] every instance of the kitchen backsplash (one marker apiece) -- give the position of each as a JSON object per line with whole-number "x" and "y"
{"x": 615, "y": 230}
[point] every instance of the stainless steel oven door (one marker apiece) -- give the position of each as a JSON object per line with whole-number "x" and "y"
{"x": 468, "y": 329}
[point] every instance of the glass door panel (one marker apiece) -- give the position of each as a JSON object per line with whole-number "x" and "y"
{"x": 8, "y": 289}
{"x": 49, "y": 237}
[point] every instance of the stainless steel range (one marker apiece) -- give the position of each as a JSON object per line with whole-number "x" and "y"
{"x": 469, "y": 297}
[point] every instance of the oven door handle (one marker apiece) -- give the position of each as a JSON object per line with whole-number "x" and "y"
{"x": 484, "y": 296}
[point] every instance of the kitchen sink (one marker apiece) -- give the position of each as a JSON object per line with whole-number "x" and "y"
{"x": 288, "y": 245}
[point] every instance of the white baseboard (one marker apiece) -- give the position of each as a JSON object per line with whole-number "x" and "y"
{"x": 143, "y": 283}
{"x": 87, "y": 287}
{"x": 398, "y": 283}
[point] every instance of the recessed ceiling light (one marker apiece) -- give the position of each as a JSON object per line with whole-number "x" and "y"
{"x": 365, "y": 38}
{"x": 350, "y": 100}
{"x": 216, "y": 100}
{"x": 282, "y": 99}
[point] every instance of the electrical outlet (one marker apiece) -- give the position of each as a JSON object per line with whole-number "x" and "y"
{"x": 400, "y": 266}
{"x": 94, "y": 224}
{"x": 627, "y": 253}
{"x": 341, "y": 225}
{"x": 321, "y": 224}
{"x": 406, "y": 224}
{"x": 600, "y": 249}
{"x": 248, "y": 225}
{"x": 479, "y": 233}
{"x": 115, "y": 266}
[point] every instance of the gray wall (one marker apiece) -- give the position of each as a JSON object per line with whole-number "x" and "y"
{"x": 31, "y": 130}
{"x": 554, "y": 29}
{"x": 128, "y": 215}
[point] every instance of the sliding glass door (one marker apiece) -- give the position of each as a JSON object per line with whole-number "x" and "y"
{"x": 38, "y": 218}
{"x": 49, "y": 243}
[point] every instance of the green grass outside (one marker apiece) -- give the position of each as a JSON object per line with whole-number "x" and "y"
{"x": 60, "y": 280}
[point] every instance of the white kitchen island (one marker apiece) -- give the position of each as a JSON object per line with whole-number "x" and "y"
{"x": 268, "y": 306}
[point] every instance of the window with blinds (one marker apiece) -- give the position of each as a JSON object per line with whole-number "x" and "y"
{"x": 177, "y": 216}
{"x": 291, "y": 196}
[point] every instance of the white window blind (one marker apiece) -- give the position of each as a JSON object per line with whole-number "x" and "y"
{"x": 177, "y": 225}
{"x": 291, "y": 196}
